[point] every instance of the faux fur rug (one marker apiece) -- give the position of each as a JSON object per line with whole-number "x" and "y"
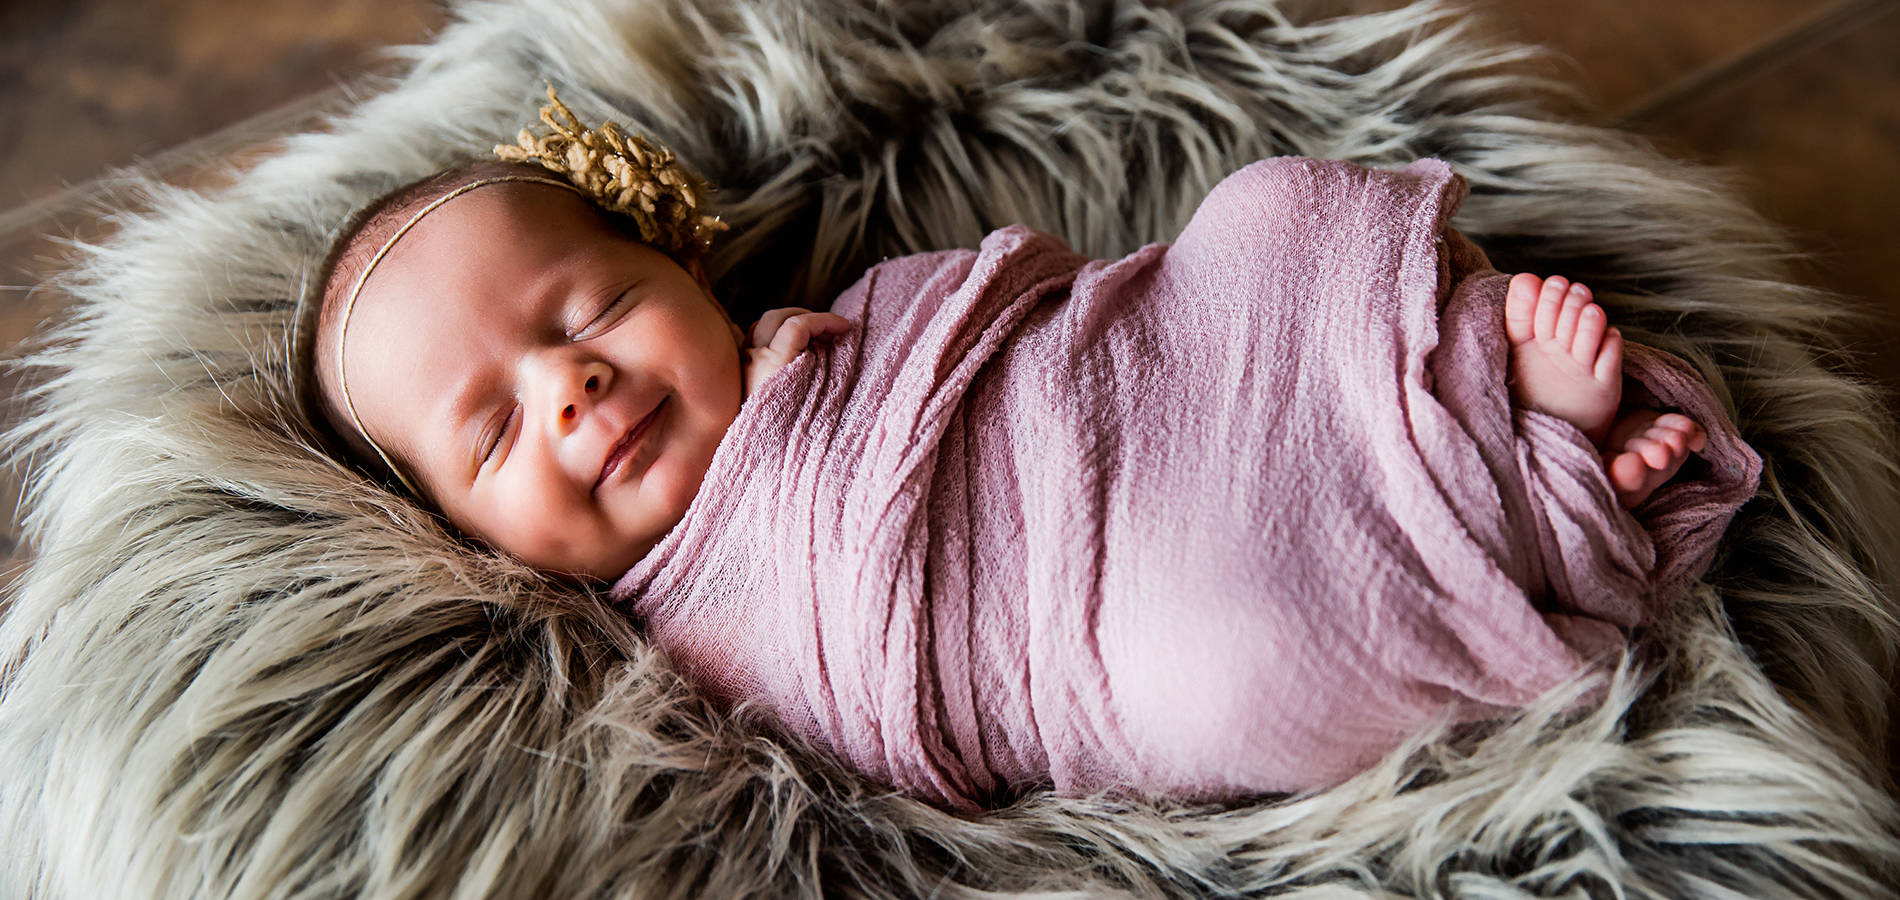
{"x": 238, "y": 670}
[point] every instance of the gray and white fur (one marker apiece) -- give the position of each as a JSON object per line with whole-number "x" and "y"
{"x": 237, "y": 668}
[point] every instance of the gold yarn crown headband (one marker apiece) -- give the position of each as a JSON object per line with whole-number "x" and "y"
{"x": 620, "y": 173}
{"x": 623, "y": 173}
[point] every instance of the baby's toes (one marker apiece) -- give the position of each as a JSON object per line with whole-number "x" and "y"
{"x": 1568, "y": 318}
{"x": 1520, "y": 307}
{"x": 1628, "y": 472}
{"x": 1550, "y": 305}
{"x": 1677, "y": 443}
{"x": 1653, "y": 452}
{"x": 1589, "y": 337}
{"x": 1692, "y": 435}
{"x": 1674, "y": 420}
{"x": 1609, "y": 364}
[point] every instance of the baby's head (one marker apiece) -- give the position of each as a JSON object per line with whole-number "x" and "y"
{"x": 519, "y": 358}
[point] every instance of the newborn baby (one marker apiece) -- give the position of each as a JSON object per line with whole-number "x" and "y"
{"x": 567, "y": 394}
{"x": 557, "y": 388}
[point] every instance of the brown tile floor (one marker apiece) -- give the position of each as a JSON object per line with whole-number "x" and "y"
{"x": 1800, "y": 98}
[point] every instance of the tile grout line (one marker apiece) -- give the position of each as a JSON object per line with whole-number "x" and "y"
{"x": 1811, "y": 33}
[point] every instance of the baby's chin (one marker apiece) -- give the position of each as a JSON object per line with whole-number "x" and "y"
{"x": 610, "y": 554}
{"x": 600, "y": 548}
{"x": 655, "y": 506}
{"x": 597, "y": 557}
{"x": 609, "y": 568}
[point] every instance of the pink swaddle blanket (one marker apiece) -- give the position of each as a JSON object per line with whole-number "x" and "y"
{"x": 1222, "y": 517}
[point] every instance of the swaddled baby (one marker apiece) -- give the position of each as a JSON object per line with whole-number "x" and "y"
{"x": 1225, "y": 517}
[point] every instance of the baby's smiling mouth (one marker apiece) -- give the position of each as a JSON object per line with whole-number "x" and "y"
{"x": 628, "y": 443}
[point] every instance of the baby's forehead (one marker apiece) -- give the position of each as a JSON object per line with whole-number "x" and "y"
{"x": 484, "y": 254}
{"x": 432, "y": 213}
{"x": 500, "y": 205}
{"x": 473, "y": 228}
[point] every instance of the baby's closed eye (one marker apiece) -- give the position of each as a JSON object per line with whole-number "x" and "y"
{"x": 493, "y": 433}
{"x": 605, "y": 317}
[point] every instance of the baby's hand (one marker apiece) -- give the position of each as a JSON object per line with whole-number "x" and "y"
{"x": 782, "y": 334}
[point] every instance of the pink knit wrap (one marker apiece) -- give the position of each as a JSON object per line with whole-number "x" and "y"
{"x": 1221, "y": 517}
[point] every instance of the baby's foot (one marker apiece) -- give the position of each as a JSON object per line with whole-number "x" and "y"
{"x": 1646, "y": 448}
{"x": 1563, "y": 359}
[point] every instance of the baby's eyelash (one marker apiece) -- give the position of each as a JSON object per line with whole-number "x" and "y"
{"x": 492, "y": 443}
{"x": 607, "y": 316}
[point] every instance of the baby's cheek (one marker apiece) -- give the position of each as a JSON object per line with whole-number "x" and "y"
{"x": 674, "y": 490}
{"x": 678, "y": 482}
{"x": 522, "y": 538}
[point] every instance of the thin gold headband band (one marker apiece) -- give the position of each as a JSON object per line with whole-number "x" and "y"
{"x": 349, "y": 303}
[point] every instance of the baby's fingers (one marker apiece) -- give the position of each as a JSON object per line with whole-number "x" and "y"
{"x": 797, "y": 331}
{"x": 830, "y": 324}
{"x": 768, "y": 325}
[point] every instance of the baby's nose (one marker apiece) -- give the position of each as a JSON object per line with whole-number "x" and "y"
{"x": 589, "y": 388}
{"x": 569, "y": 388}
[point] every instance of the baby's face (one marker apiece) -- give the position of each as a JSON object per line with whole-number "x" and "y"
{"x": 556, "y": 388}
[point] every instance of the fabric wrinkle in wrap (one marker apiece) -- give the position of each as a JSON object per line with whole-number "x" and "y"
{"x": 1223, "y": 517}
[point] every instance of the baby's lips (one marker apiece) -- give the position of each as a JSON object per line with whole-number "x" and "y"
{"x": 628, "y": 442}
